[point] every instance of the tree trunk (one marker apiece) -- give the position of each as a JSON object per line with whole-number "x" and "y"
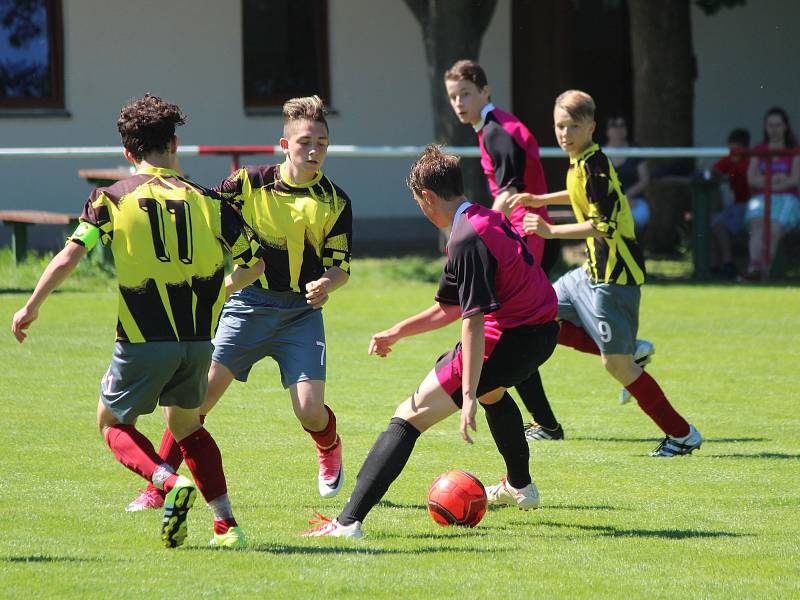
{"x": 452, "y": 30}
{"x": 663, "y": 101}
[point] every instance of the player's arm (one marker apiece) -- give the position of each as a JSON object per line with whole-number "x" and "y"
{"x": 539, "y": 200}
{"x": 473, "y": 343}
{"x": 319, "y": 290}
{"x": 53, "y": 276}
{"x": 508, "y": 160}
{"x": 336, "y": 255}
{"x": 241, "y": 277}
{"x": 501, "y": 202}
{"x": 435, "y": 317}
{"x": 535, "y": 224}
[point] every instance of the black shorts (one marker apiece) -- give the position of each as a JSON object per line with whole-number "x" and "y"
{"x": 512, "y": 356}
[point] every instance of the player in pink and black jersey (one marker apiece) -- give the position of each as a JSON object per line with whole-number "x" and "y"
{"x": 510, "y": 160}
{"x": 507, "y": 307}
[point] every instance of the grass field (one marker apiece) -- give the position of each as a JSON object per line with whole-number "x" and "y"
{"x": 722, "y": 523}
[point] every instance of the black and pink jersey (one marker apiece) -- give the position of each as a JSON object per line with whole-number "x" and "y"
{"x": 489, "y": 269}
{"x": 510, "y": 158}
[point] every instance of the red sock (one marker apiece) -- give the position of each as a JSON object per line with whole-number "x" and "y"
{"x": 576, "y": 337}
{"x": 221, "y": 526}
{"x": 326, "y": 438}
{"x": 132, "y": 449}
{"x": 204, "y": 460}
{"x": 652, "y": 401}
{"x": 170, "y": 451}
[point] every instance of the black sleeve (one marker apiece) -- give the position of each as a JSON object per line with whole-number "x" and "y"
{"x": 448, "y": 286}
{"x": 603, "y": 198}
{"x": 471, "y": 276}
{"x": 508, "y": 157}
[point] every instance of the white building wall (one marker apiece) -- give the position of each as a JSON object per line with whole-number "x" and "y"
{"x": 748, "y": 59}
{"x": 190, "y": 53}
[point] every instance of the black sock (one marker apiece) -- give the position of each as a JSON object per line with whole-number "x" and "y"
{"x": 532, "y": 394}
{"x": 383, "y": 465}
{"x": 505, "y": 423}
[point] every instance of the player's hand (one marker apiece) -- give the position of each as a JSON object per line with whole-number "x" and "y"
{"x": 22, "y": 320}
{"x": 535, "y": 224}
{"x": 469, "y": 407}
{"x": 527, "y": 200}
{"x": 317, "y": 293}
{"x": 381, "y": 343}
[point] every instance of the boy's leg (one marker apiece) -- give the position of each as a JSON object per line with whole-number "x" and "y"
{"x": 219, "y": 379}
{"x": 390, "y": 452}
{"x": 204, "y": 461}
{"x": 132, "y": 449}
{"x": 545, "y": 426}
{"x": 388, "y": 456}
{"x": 319, "y": 421}
{"x": 681, "y": 437}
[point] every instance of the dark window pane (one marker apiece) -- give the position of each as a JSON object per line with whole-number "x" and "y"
{"x": 285, "y": 44}
{"x": 30, "y": 62}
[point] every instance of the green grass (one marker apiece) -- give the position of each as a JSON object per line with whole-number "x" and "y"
{"x": 722, "y": 523}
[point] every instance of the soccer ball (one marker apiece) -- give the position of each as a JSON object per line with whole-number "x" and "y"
{"x": 457, "y": 498}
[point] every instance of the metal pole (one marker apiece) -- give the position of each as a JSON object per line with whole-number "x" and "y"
{"x": 765, "y": 253}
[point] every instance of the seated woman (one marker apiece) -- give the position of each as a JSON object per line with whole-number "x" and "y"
{"x": 784, "y": 203}
{"x": 634, "y": 176}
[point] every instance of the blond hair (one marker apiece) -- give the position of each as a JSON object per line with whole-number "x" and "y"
{"x": 308, "y": 108}
{"x": 579, "y": 105}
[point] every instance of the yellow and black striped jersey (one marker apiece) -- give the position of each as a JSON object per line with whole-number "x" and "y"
{"x": 166, "y": 235}
{"x": 303, "y": 229}
{"x": 596, "y": 196}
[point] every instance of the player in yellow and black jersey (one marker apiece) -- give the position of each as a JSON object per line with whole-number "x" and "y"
{"x": 167, "y": 237}
{"x": 304, "y": 225}
{"x": 598, "y": 305}
{"x": 305, "y": 228}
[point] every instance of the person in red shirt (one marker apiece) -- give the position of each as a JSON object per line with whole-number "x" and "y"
{"x": 730, "y": 220}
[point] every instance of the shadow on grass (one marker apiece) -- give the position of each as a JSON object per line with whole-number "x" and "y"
{"x": 390, "y": 504}
{"x": 45, "y": 558}
{"x": 581, "y": 507}
{"x": 357, "y": 547}
{"x": 658, "y": 439}
{"x": 672, "y": 534}
{"x": 760, "y": 455}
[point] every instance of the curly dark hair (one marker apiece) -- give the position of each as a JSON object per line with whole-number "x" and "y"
{"x": 147, "y": 125}
{"x": 436, "y": 171}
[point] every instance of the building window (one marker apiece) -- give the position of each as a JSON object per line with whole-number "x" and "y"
{"x": 31, "y": 54}
{"x": 285, "y": 47}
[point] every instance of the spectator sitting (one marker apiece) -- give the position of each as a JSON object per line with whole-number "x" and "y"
{"x": 785, "y": 206}
{"x": 730, "y": 220}
{"x": 634, "y": 176}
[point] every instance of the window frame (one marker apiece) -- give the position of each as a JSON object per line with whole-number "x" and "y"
{"x": 274, "y": 102}
{"x": 55, "y": 46}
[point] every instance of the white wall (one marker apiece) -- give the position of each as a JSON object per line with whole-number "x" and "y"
{"x": 748, "y": 60}
{"x": 190, "y": 53}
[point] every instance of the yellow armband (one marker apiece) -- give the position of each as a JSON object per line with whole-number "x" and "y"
{"x": 86, "y": 235}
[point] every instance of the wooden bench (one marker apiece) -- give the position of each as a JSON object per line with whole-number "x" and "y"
{"x": 19, "y": 220}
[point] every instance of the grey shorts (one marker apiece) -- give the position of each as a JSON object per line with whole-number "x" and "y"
{"x": 256, "y": 323}
{"x": 143, "y": 376}
{"x": 609, "y": 312}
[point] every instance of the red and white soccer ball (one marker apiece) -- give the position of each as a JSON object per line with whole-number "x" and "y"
{"x": 457, "y": 498}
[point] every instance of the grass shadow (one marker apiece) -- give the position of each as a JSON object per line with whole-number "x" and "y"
{"x": 359, "y": 548}
{"x": 671, "y": 534}
{"x": 760, "y": 455}
{"x": 46, "y": 558}
{"x": 581, "y": 507}
{"x": 390, "y": 504}
{"x": 658, "y": 439}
